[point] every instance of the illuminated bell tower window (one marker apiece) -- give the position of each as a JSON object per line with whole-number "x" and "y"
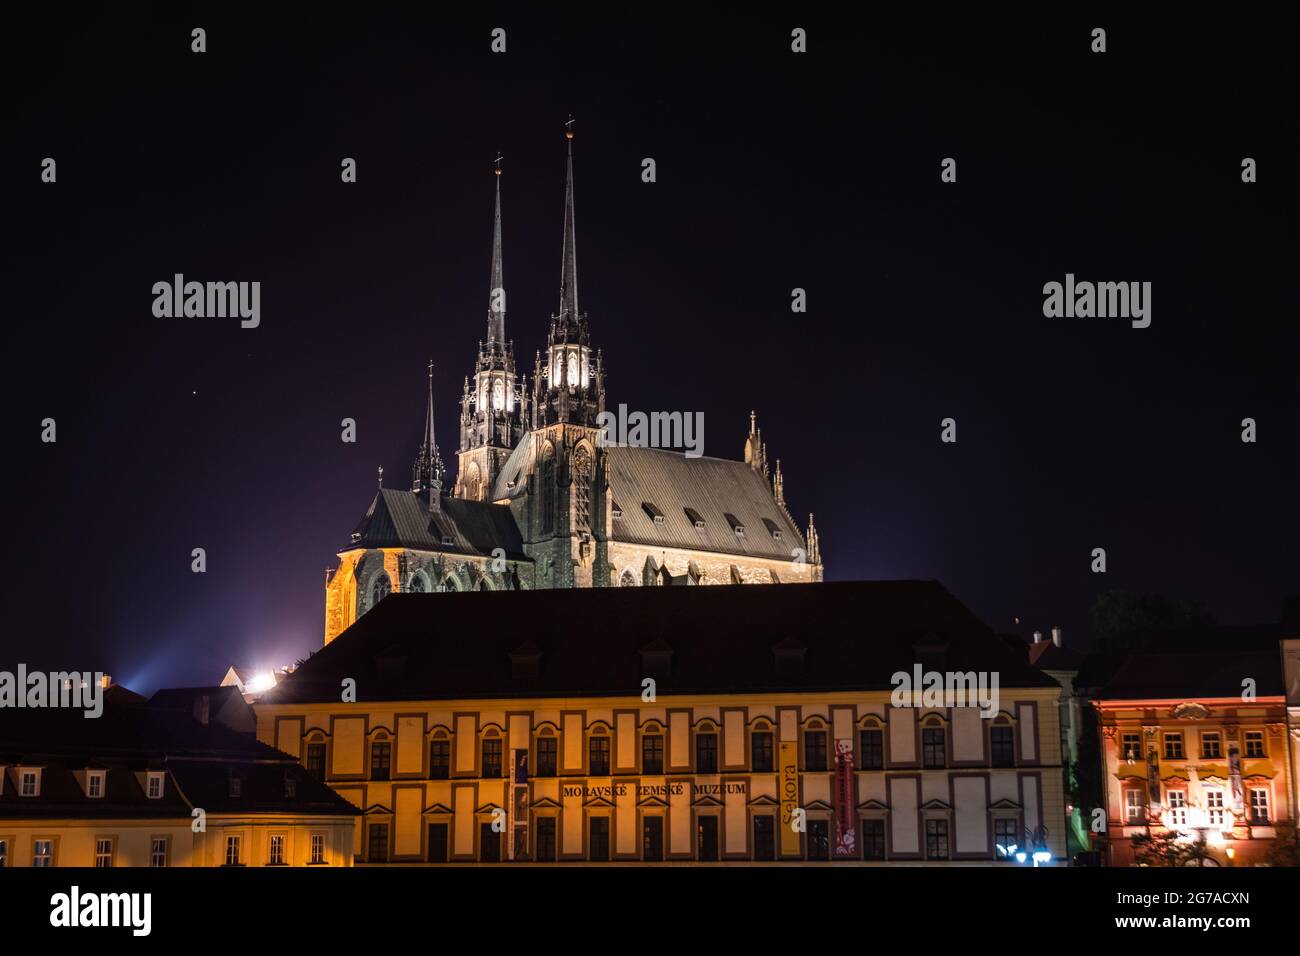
{"x": 498, "y": 395}
{"x": 379, "y": 590}
{"x": 582, "y": 489}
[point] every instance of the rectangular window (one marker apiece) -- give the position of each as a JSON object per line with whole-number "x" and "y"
{"x": 1006, "y": 838}
{"x": 103, "y": 853}
{"x": 706, "y": 837}
{"x": 598, "y": 756}
{"x": 764, "y": 837}
{"x": 232, "y": 851}
{"x": 936, "y": 839}
{"x": 155, "y": 786}
{"x": 30, "y": 785}
{"x": 1177, "y": 800}
{"x": 276, "y": 855}
{"x": 381, "y": 760}
{"x": 1131, "y": 747}
{"x": 1002, "y": 746}
{"x": 158, "y": 851}
{"x": 1254, "y": 743}
{"x": 819, "y": 840}
{"x": 234, "y": 785}
{"x": 814, "y": 750}
{"x": 4, "y": 853}
{"x": 872, "y": 745}
{"x": 706, "y": 753}
{"x": 598, "y": 839}
{"x": 1173, "y": 746}
{"x": 440, "y": 759}
{"x": 492, "y": 757}
{"x": 316, "y": 760}
{"x": 377, "y": 843}
{"x": 1134, "y": 805}
{"x": 873, "y": 839}
{"x": 1215, "y": 807}
{"x": 652, "y": 753}
{"x": 43, "y": 853}
{"x": 546, "y": 839}
{"x": 1211, "y": 745}
{"x": 652, "y": 839}
{"x": 95, "y": 784}
{"x": 1258, "y": 806}
{"x": 317, "y": 849}
{"x": 760, "y": 752}
{"x": 934, "y": 752}
{"x": 489, "y": 844}
{"x": 437, "y": 843}
{"x": 547, "y": 756}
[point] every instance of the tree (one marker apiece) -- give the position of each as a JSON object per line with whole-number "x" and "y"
{"x": 1128, "y": 621}
{"x": 1285, "y": 850}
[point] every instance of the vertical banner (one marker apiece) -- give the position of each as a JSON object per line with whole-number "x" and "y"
{"x": 1153, "y": 777}
{"x": 1234, "y": 776}
{"x": 846, "y": 832}
{"x": 517, "y": 806}
{"x": 789, "y": 753}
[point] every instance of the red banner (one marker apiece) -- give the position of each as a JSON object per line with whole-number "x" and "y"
{"x": 846, "y": 831}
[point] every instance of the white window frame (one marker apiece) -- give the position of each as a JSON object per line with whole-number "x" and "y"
{"x": 1134, "y": 805}
{"x": 234, "y": 842}
{"x": 38, "y": 857}
{"x": 317, "y": 857}
{"x": 158, "y": 777}
{"x": 1177, "y": 800}
{"x": 276, "y": 841}
{"x": 34, "y": 775}
{"x": 154, "y": 854}
{"x": 4, "y": 852}
{"x": 94, "y": 777}
{"x": 1246, "y": 738}
{"x": 1216, "y": 806}
{"x": 101, "y": 853}
{"x": 1267, "y": 804}
{"x": 1165, "y": 741}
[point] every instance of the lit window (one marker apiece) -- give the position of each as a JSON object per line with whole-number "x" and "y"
{"x": 1173, "y": 746}
{"x": 43, "y": 853}
{"x": 154, "y": 786}
{"x": 1131, "y": 747}
{"x": 318, "y": 848}
{"x": 4, "y": 853}
{"x": 95, "y": 784}
{"x": 103, "y": 853}
{"x": 1259, "y": 805}
{"x": 158, "y": 851}
{"x": 1254, "y": 743}
{"x": 1215, "y": 808}
{"x": 1177, "y": 807}
{"x": 1211, "y": 745}
{"x": 1006, "y": 838}
{"x": 1134, "y": 806}
{"x": 232, "y": 851}
{"x": 276, "y": 857}
{"x": 30, "y": 785}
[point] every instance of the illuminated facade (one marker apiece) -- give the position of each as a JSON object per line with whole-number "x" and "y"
{"x": 540, "y": 502}
{"x": 702, "y": 725}
{"x": 1213, "y": 766}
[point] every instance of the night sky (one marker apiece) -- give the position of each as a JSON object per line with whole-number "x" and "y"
{"x": 775, "y": 171}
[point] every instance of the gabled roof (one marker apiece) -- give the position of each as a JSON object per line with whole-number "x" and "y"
{"x": 716, "y": 489}
{"x": 857, "y": 634}
{"x": 1180, "y": 677}
{"x": 402, "y": 519}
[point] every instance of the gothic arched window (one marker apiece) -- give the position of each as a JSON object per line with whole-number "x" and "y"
{"x": 417, "y": 584}
{"x": 573, "y": 371}
{"x": 547, "y": 488}
{"x": 379, "y": 590}
{"x": 582, "y": 489}
{"x": 473, "y": 481}
{"x": 628, "y": 580}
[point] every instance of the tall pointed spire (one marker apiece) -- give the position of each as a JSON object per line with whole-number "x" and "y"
{"x": 428, "y": 471}
{"x": 497, "y": 290}
{"x": 569, "y": 268}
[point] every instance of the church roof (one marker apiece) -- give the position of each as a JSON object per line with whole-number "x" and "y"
{"x": 722, "y": 493}
{"x": 721, "y": 639}
{"x": 401, "y": 519}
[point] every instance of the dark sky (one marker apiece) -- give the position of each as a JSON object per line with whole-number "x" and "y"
{"x": 775, "y": 171}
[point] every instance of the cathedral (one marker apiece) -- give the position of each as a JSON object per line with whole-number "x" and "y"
{"x": 542, "y": 500}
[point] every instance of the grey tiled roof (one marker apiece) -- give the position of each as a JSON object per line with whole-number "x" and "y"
{"x": 401, "y": 519}
{"x": 713, "y": 487}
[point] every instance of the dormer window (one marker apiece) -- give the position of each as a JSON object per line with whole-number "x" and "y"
{"x": 616, "y": 511}
{"x": 95, "y": 784}
{"x": 694, "y": 517}
{"x": 29, "y": 783}
{"x": 290, "y": 786}
{"x": 448, "y": 539}
{"x": 772, "y": 528}
{"x": 356, "y": 536}
{"x": 154, "y": 785}
{"x": 234, "y": 786}
{"x": 652, "y": 512}
{"x": 735, "y": 524}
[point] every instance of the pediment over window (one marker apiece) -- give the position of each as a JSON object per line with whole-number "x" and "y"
{"x": 1004, "y": 804}
{"x": 764, "y": 801}
{"x": 872, "y": 805}
{"x": 377, "y": 808}
{"x": 819, "y": 805}
{"x": 437, "y": 808}
{"x": 546, "y": 803}
{"x": 936, "y": 805}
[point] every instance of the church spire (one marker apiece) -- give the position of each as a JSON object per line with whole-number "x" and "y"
{"x": 497, "y": 291}
{"x": 569, "y": 266}
{"x": 428, "y": 471}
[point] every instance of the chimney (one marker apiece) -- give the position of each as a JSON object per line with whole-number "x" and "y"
{"x": 1056, "y": 636}
{"x": 1038, "y": 637}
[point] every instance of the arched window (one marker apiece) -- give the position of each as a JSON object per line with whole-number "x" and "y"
{"x": 548, "y": 487}
{"x": 417, "y": 585}
{"x": 449, "y": 584}
{"x": 582, "y": 488}
{"x": 628, "y": 580}
{"x": 573, "y": 371}
{"x": 498, "y": 395}
{"x": 379, "y": 590}
{"x": 473, "y": 481}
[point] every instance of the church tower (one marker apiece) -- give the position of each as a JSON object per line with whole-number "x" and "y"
{"x": 566, "y": 511}
{"x": 492, "y": 414}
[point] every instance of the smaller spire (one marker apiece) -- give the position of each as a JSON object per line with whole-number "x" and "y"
{"x": 778, "y": 485}
{"x": 814, "y": 544}
{"x": 428, "y": 471}
{"x": 381, "y": 476}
